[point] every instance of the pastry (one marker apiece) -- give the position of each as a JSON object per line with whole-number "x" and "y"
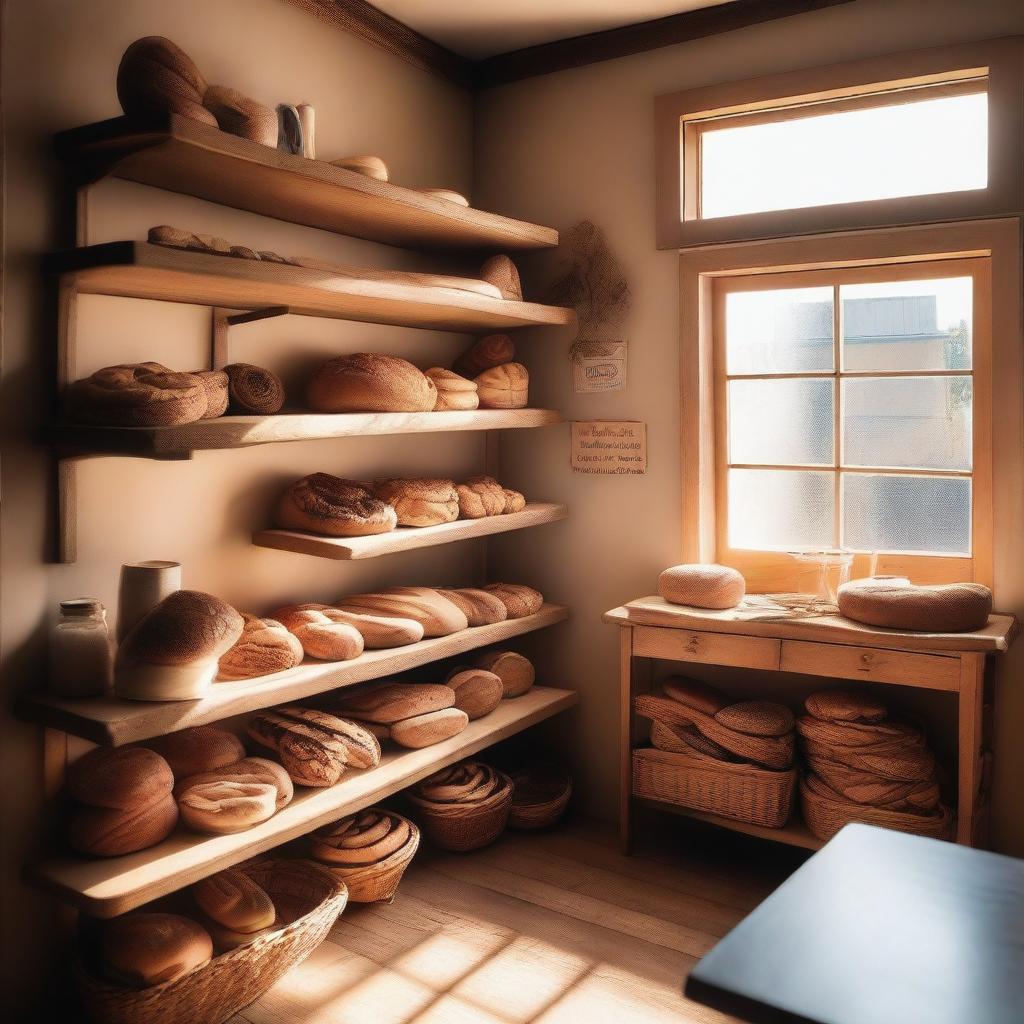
{"x": 477, "y": 691}
{"x": 137, "y": 395}
{"x": 479, "y": 497}
{"x": 484, "y": 353}
{"x": 756, "y": 718}
{"x": 453, "y": 391}
{"x": 239, "y": 115}
{"x": 202, "y": 748}
{"x": 142, "y": 950}
{"x": 393, "y": 702}
{"x": 367, "y": 382}
{"x": 501, "y": 272}
{"x": 702, "y": 586}
{"x": 248, "y": 770}
{"x": 518, "y": 599}
{"x": 420, "y": 502}
{"x": 113, "y": 832}
{"x": 325, "y": 504}
{"x": 695, "y": 694}
{"x": 215, "y": 383}
{"x": 322, "y": 631}
{"x": 253, "y": 390}
{"x": 264, "y": 647}
{"x": 370, "y": 166}
{"x": 235, "y": 909}
{"x": 896, "y": 603}
{"x": 155, "y": 77}
{"x": 426, "y": 730}
{"x": 503, "y": 387}
{"x": 516, "y": 672}
{"x": 119, "y": 777}
{"x": 437, "y": 615}
{"x": 479, "y": 607}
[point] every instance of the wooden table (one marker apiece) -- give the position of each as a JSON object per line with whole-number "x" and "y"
{"x": 878, "y": 927}
{"x": 762, "y": 636}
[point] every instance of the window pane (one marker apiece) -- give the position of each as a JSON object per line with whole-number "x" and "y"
{"x": 780, "y": 509}
{"x": 906, "y": 513}
{"x": 907, "y": 422}
{"x": 781, "y": 421}
{"x": 781, "y": 331}
{"x": 907, "y": 149}
{"x": 907, "y": 325}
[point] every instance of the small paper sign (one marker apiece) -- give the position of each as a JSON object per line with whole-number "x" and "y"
{"x": 613, "y": 447}
{"x": 598, "y": 366}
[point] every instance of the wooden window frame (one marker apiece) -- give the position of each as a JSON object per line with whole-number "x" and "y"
{"x": 998, "y": 304}
{"x": 681, "y": 117}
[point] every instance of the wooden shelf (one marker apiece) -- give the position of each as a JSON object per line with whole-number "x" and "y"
{"x": 113, "y": 721}
{"x": 793, "y": 833}
{"x": 245, "y": 431}
{"x": 141, "y": 270}
{"x": 181, "y": 155}
{"x": 405, "y": 538}
{"x": 106, "y": 888}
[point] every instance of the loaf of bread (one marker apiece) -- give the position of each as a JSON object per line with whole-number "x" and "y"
{"x": 896, "y": 603}
{"x": 695, "y": 694}
{"x": 367, "y": 382}
{"x": 436, "y": 614}
{"x": 479, "y": 497}
{"x": 222, "y": 808}
{"x": 264, "y": 647}
{"x": 515, "y": 501}
{"x": 323, "y": 632}
{"x": 239, "y": 115}
{"x": 504, "y": 387}
{"x": 235, "y": 909}
{"x": 420, "y": 502}
{"x": 156, "y": 77}
{"x": 202, "y": 748}
{"x": 502, "y": 273}
{"x": 137, "y": 395}
{"x": 702, "y": 586}
{"x": 392, "y": 702}
{"x": 447, "y": 194}
{"x": 253, "y": 390}
{"x": 248, "y": 770}
{"x": 485, "y": 353}
{"x": 215, "y": 384}
{"x": 756, "y": 718}
{"x": 845, "y": 706}
{"x": 378, "y": 631}
{"x": 515, "y": 671}
{"x": 518, "y": 599}
{"x": 426, "y": 730}
{"x": 119, "y": 777}
{"x": 361, "y": 839}
{"x": 325, "y": 504}
{"x": 477, "y": 691}
{"x": 454, "y": 392}
{"x": 113, "y": 832}
{"x": 467, "y": 783}
{"x": 370, "y": 166}
{"x": 479, "y": 607}
{"x": 147, "y": 949}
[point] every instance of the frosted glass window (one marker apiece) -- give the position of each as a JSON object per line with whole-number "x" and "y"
{"x": 915, "y": 148}
{"x": 780, "y": 509}
{"x": 783, "y": 330}
{"x": 781, "y": 422}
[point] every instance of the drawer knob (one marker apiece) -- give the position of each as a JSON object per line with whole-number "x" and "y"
{"x": 866, "y": 661}
{"x": 692, "y": 644}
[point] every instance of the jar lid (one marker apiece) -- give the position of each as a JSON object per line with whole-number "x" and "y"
{"x": 81, "y": 606}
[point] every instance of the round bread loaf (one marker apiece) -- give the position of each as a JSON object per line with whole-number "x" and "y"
{"x": 484, "y": 353}
{"x": 249, "y": 769}
{"x": 469, "y": 783}
{"x": 370, "y": 166}
{"x": 367, "y": 382}
{"x": 845, "y": 706}
{"x": 325, "y": 504}
{"x": 436, "y": 614}
{"x": 515, "y": 671}
{"x": 235, "y": 908}
{"x": 896, "y": 603}
{"x": 226, "y": 807}
{"x": 479, "y": 607}
{"x": 113, "y": 832}
{"x": 420, "y": 502}
{"x": 156, "y": 77}
{"x": 702, "y": 586}
{"x": 449, "y": 195}
{"x": 142, "y": 950}
{"x": 253, "y": 390}
{"x": 215, "y": 383}
{"x": 756, "y": 718}
{"x": 426, "y": 730}
{"x": 322, "y": 631}
{"x": 477, "y": 691}
{"x": 239, "y": 115}
{"x": 264, "y": 647}
{"x": 480, "y": 496}
{"x": 137, "y": 395}
{"x": 121, "y": 778}
{"x": 454, "y": 392}
{"x": 361, "y": 839}
{"x": 185, "y": 628}
{"x": 695, "y": 694}
{"x": 518, "y": 599}
{"x": 199, "y": 749}
{"x": 393, "y": 702}
{"x": 502, "y": 273}
{"x": 504, "y": 387}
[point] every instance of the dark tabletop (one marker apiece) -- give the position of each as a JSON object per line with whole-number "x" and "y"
{"x": 878, "y": 927}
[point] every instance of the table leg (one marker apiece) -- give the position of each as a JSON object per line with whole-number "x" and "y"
{"x": 626, "y": 739}
{"x": 969, "y": 732}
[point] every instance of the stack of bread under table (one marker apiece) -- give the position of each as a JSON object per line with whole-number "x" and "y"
{"x": 864, "y": 766}
{"x": 733, "y": 759}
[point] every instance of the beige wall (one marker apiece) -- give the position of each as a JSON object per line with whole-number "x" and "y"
{"x": 59, "y": 63}
{"x": 579, "y": 144}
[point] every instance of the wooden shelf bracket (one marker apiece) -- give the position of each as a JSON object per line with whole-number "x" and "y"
{"x": 221, "y": 319}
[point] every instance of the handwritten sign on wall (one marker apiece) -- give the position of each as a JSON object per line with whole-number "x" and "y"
{"x": 609, "y": 447}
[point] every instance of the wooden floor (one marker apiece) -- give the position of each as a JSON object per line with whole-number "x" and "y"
{"x": 543, "y": 928}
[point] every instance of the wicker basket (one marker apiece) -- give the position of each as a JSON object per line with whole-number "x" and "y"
{"x": 307, "y": 897}
{"x": 742, "y": 792}
{"x": 464, "y": 826}
{"x": 826, "y": 815}
{"x": 886, "y": 734}
{"x": 539, "y": 798}
{"x": 376, "y": 883}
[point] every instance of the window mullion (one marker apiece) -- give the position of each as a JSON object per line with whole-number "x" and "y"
{"x": 837, "y": 519}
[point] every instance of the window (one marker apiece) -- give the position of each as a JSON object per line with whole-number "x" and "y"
{"x": 848, "y": 414}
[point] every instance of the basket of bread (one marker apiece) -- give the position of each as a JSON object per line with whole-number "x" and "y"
{"x": 462, "y": 807}
{"x": 717, "y": 756}
{"x": 239, "y": 932}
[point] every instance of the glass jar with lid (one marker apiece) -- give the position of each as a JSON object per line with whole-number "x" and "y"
{"x": 81, "y": 661}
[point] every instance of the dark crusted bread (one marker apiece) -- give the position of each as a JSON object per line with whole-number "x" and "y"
{"x": 368, "y": 382}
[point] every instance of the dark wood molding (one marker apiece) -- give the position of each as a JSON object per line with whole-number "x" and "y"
{"x": 629, "y": 39}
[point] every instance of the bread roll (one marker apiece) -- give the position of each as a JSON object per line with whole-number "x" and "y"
{"x": 479, "y": 607}
{"x": 113, "y": 832}
{"x": 426, "y": 730}
{"x": 155, "y": 77}
{"x": 896, "y": 603}
{"x": 215, "y": 384}
{"x": 501, "y": 272}
{"x": 239, "y": 115}
{"x": 695, "y": 694}
{"x": 420, "y": 502}
{"x": 845, "y": 706}
{"x": 702, "y": 586}
{"x": 121, "y": 778}
{"x": 228, "y": 806}
{"x": 202, "y": 748}
{"x": 756, "y": 718}
{"x": 325, "y": 504}
{"x": 370, "y": 166}
{"x": 518, "y": 599}
{"x": 142, "y": 950}
{"x": 437, "y": 615}
{"x": 504, "y": 387}
{"x": 248, "y": 770}
{"x": 264, "y": 647}
{"x": 479, "y": 497}
{"x": 449, "y": 195}
{"x": 484, "y": 353}
{"x": 454, "y": 392}
{"x": 322, "y": 631}
{"x": 515, "y": 501}
{"x": 393, "y": 702}
{"x": 253, "y": 390}
{"x": 360, "y": 839}
{"x": 367, "y": 382}
{"x": 477, "y": 692}
{"x": 516, "y": 672}
{"x": 236, "y": 910}
{"x": 137, "y": 395}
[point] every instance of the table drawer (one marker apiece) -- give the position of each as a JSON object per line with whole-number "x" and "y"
{"x": 705, "y": 648}
{"x": 871, "y": 665}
